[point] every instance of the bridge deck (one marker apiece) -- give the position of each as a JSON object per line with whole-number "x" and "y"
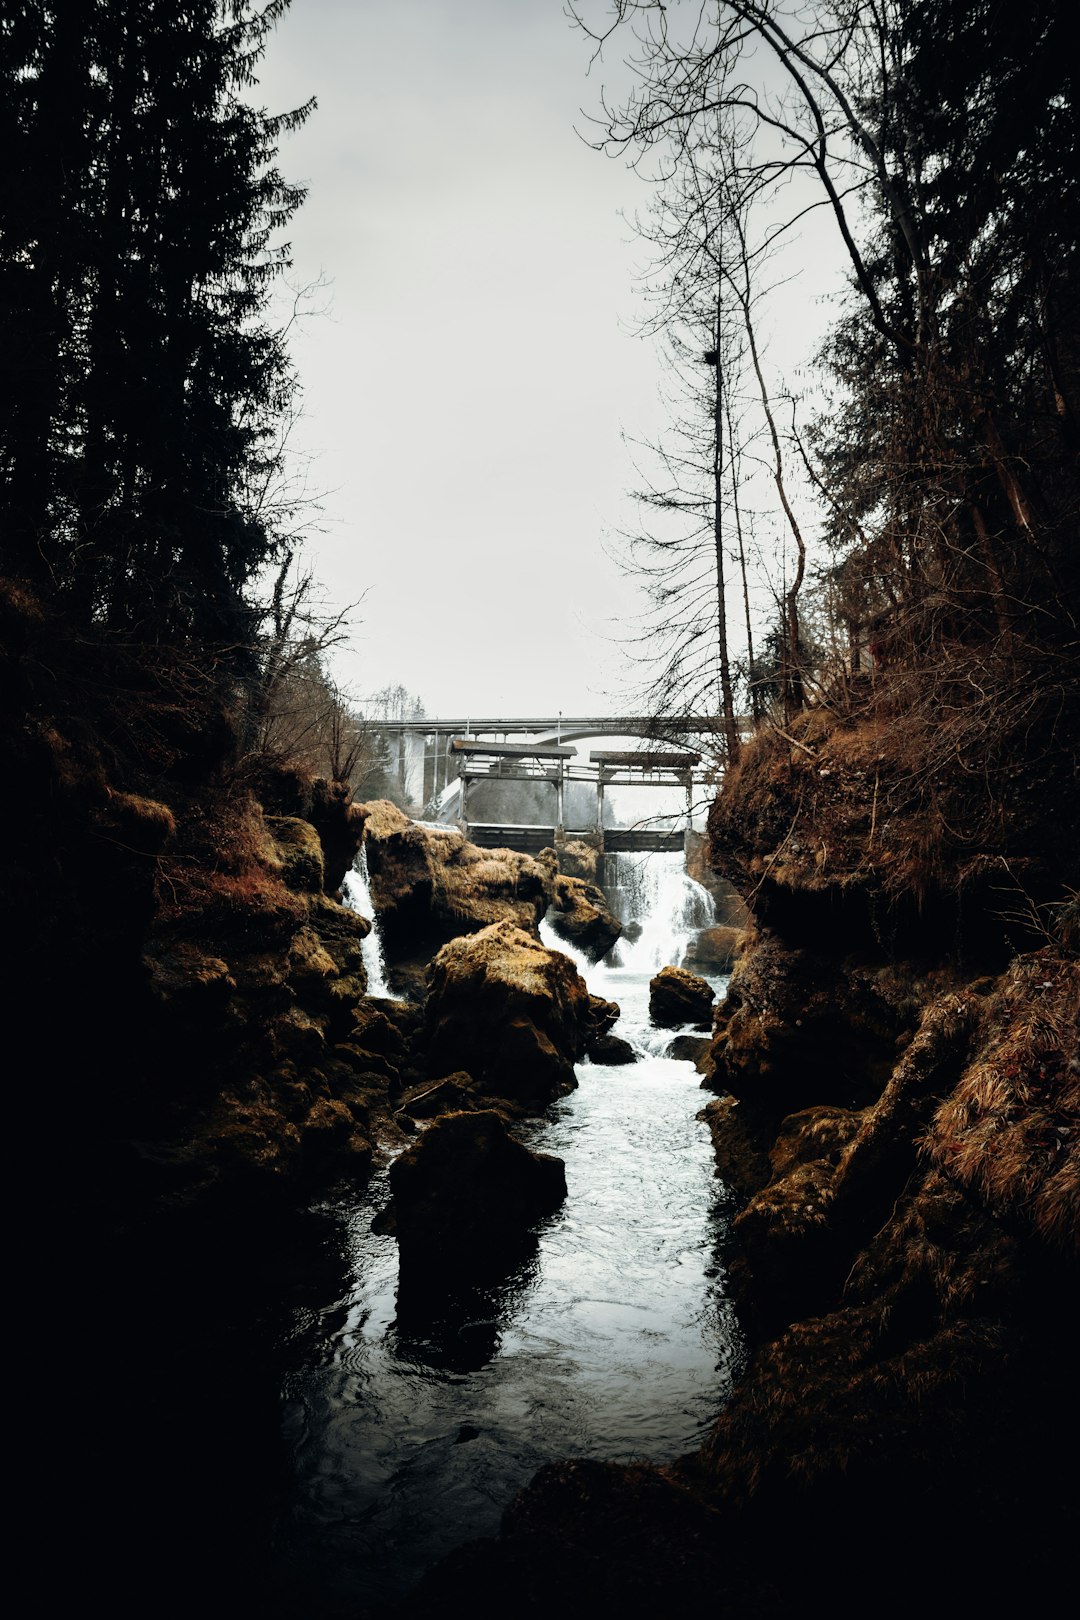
{"x": 530, "y": 840}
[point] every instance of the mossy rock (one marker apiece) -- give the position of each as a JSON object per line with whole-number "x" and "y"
{"x": 300, "y": 852}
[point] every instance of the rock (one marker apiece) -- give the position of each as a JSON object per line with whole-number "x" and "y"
{"x": 300, "y": 853}
{"x": 456, "y": 1094}
{"x": 340, "y": 826}
{"x": 678, "y": 997}
{"x": 430, "y": 885}
{"x": 611, "y": 1049}
{"x": 513, "y": 1014}
{"x": 603, "y": 1015}
{"x": 580, "y": 915}
{"x": 464, "y": 1195}
{"x": 374, "y": 1031}
{"x": 578, "y": 858}
{"x": 796, "y": 1029}
{"x": 742, "y": 1162}
{"x": 690, "y": 1049}
{"x": 714, "y": 949}
{"x": 189, "y": 982}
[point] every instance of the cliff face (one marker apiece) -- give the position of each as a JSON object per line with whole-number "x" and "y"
{"x": 897, "y": 1117}
{"x": 898, "y": 1086}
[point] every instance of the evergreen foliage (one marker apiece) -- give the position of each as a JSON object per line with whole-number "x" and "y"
{"x": 146, "y": 389}
{"x": 951, "y": 456}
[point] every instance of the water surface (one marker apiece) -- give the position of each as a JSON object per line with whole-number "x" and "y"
{"x": 611, "y": 1340}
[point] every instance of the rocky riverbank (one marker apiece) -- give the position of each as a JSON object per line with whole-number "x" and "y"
{"x": 897, "y": 1117}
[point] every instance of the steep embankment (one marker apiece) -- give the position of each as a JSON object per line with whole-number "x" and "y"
{"x": 898, "y": 1116}
{"x": 198, "y": 1058}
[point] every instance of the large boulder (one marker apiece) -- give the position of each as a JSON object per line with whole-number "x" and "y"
{"x": 679, "y": 997}
{"x": 580, "y": 915}
{"x": 513, "y": 1014}
{"x": 430, "y": 885}
{"x": 611, "y": 1050}
{"x": 466, "y": 1193}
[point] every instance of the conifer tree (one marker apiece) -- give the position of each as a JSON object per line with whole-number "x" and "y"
{"x": 141, "y": 235}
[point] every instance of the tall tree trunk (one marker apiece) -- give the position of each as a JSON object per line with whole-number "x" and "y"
{"x": 751, "y": 684}
{"x": 731, "y": 728}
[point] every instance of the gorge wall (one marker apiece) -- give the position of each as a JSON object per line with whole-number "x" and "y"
{"x": 897, "y": 1116}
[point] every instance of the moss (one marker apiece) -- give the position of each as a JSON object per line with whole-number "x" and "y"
{"x": 431, "y": 885}
{"x": 299, "y": 853}
{"x": 513, "y": 1014}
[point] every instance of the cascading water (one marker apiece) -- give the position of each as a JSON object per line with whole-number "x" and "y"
{"x": 356, "y": 893}
{"x": 613, "y": 1340}
{"x": 656, "y": 894}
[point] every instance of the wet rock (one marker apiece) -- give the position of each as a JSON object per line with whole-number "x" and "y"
{"x": 287, "y": 790}
{"x": 678, "y": 997}
{"x": 611, "y": 1049}
{"x": 340, "y": 827}
{"x": 740, "y": 1149}
{"x": 464, "y": 1195}
{"x": 580, "y": 915}
{"x": 690, "y": 1049}
{"x": 513, "y": 1014}
{"x": 603, "y": 1015}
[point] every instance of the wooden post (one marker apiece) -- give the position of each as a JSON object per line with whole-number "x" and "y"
{"x": 600, "y": 800}
{"x": 464, "y": 817}
{"x": 559, "y": 799}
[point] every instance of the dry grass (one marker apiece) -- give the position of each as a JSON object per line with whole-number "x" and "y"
{"x": 1010, "y": 1132}
{"x": 224, "y": 871}
{"x": 961, "y": 774}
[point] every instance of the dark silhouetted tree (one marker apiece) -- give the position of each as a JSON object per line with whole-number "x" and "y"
{"x": 145, "y": 383}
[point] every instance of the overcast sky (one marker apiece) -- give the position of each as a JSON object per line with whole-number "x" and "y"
{"x": 466, "y": 393}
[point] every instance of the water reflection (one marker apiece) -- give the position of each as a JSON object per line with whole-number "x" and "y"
{"x": 459, "y": 1329}
{"x": 426, "y": 1406}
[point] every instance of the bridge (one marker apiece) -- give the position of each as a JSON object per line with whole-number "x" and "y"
{"x": 426, "y": 761}
{"x": 556, "y": 764}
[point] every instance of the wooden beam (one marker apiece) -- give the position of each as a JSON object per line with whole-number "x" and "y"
{"x": 645, "y": 762}
{"x": 504, "y": 750}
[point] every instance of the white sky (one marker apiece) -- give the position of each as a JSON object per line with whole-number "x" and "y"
{"x": 465, "y": 395}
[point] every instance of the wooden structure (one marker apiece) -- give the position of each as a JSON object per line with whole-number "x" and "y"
{"x": 423, "y": 751}
{"x": 550, "y": 762}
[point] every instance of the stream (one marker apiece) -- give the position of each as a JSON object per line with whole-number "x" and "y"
{"x": 612, "y": 1340}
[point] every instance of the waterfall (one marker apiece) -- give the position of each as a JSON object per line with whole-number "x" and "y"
{"x": 356, "y": 890}
{"x": 655, "y": 892}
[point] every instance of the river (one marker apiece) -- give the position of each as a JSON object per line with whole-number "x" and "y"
{"x": 612, "y": 1340}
